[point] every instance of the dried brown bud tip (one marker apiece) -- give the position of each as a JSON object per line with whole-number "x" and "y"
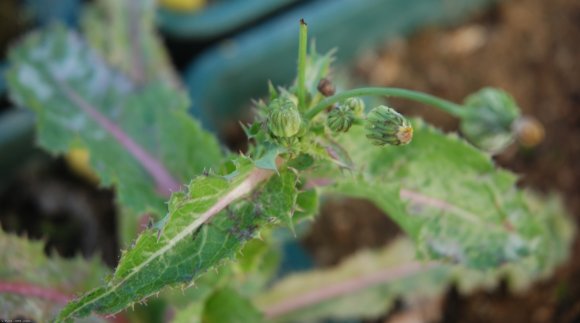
{"x": 325, "y": 87}
{"x": 529, "y": 131}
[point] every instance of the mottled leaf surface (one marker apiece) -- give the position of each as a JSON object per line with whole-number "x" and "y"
{"x": 123, "y": 32}
{"x": 81, "y": 101}
{"x": 35, "y": 286}
{"x": 450, "y": 198}
{"x": 188, "y": 243}
{"x": 367, "y": 284}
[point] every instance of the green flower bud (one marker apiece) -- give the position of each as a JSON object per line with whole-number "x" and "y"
{"x": 284, "y": 118}
{"x": 386, "y": 126}
{"x": 489, "y": 119}
{"x": 340, "y": 119}
{"x": 356, "y": 105}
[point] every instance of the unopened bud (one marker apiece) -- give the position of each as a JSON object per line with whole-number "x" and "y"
{"x": 357, "y": 105}
{"x": 387, "y": 126}
{"x": 284, "y": 118}
{"x": 488, "y": 123}
{"x": 340, "y": 119}
{"x": 325, "y": 87}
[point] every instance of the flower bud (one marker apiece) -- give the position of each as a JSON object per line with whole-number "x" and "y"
{"x": 284, "y": 118}
{"x": 325, "y": 87}
{"x": 340, "y": 119}
{"x": 387, "y": 126}
{"x": 488, "y": 123}
{"x": 528, "y": 131}
{"x": 357, "y": 105}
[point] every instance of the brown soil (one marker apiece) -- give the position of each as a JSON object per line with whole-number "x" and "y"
{"x": 531, "y": 48}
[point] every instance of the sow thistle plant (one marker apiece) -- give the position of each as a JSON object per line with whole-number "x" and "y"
{"x": 125, "y": 108}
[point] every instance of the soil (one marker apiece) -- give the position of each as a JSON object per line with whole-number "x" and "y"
{"x": 530, "y": 48}
{"x": 43, "y": 199}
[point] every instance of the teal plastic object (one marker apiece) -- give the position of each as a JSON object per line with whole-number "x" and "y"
{"x": 217, "y": 19}
{"x": 227, "y": 76}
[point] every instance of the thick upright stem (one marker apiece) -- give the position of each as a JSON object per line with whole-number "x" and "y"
{"x": 302, "y": 51}
{"x": 449, "y": 107}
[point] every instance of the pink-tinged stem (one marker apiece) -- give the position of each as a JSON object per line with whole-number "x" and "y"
{"x": 318, "y": 182}
{"x": 51, "y": 295}
{"x": 164, "y": 181}
{"x": 343, "y": 288}
{"x": 29, "y": 290}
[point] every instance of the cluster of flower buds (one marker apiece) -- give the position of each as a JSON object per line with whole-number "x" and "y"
{"x": 386, "y": 126}
{"x": 383, "y": 124}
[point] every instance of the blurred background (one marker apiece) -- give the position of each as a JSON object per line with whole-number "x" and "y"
{"x": 227, "y": 50}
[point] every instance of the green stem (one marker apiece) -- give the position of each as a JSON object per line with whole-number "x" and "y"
{"x": 302, "y": 51}
{"x": 358, "y": 122}
{"x": 447, "y": 106}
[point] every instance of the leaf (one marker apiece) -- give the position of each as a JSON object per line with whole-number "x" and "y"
{"x": 227, "y": 306}
{"x": 268, "y": 158}
{"x": 35, "y": 286}
{"x": 317, "y": 67}
{"x": 256, "y": 263}
{"x": 306, "y": 205}
{"x": 191, "y": 314}
{"x": 367, "y": 284}
{"x": 194, "y": 239}
{"x": 450, "y": 198}
{"x": 364, "y": 286}
{"x": 123, "y": 32}
{"x": 131, "y": 133}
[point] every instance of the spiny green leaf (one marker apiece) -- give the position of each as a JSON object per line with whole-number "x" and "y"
{"x": 130, "y": 132}
{"x": 306, "y": 205}
{"x": 44, "y": 281}
{"x": 268, "y": 159}
{"x": 255, "y": 265}
{"x": 192, "y": 239}
{"x": 317, "y": 67}
{"x": 450, "y": 198}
